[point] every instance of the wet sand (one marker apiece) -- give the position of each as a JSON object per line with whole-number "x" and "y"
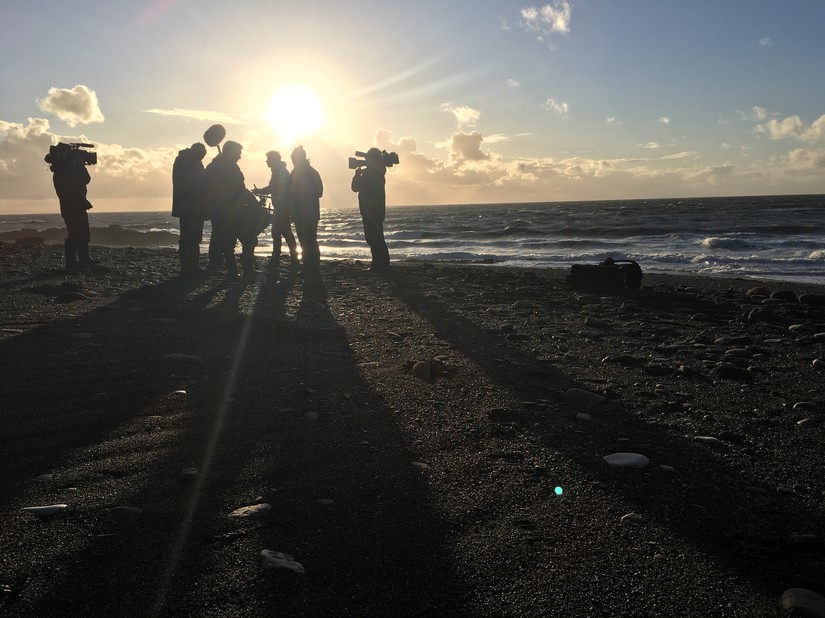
{"x": 409, "y": 435}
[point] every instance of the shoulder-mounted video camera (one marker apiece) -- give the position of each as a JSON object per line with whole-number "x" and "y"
{"x": 387, "y": 158}
{"x": 71, "y": 154}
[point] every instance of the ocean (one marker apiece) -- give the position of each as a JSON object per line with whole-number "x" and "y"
{"x": 767, "y": 237}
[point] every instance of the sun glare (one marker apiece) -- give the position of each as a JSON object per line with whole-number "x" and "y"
{"x": 294, "y": 111}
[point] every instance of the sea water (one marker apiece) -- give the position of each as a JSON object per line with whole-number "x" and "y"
{"x": 773, "y": 237}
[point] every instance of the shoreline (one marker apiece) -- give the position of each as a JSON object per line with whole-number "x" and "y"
{"x": 262, "y": 253}
{"x": 408, "y": 435}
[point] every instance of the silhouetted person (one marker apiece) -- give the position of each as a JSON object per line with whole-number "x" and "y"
{"x": 305, "y": 192}
{"x": 369, "y": 182}
{"x": 188, "y": 205}
{"x": 278, "y": 190}
{"x": 70, "y": 177}
{"x": 232, "y": 212}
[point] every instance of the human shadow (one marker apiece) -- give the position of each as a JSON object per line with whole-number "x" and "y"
{"x": 710, "y": 503}
{"x": 276, "y": 411}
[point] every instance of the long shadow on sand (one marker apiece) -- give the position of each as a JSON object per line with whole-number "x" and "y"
{"x": 705, "y": 505}
{"x": 274, "y": 410}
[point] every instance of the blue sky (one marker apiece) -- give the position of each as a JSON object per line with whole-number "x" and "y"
{"x": 485, "y": 101}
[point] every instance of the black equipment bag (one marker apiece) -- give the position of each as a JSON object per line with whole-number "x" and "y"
{"x": 608, "y": 277}
{"x": 253, "y": 216}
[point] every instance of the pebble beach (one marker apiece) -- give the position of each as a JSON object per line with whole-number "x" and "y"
{"x": 453, "y": 440}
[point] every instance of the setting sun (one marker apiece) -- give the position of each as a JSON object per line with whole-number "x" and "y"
{"x": 294, "y": 111}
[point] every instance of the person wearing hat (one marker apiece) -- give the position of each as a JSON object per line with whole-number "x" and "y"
{"x": 369, "y": 183}
{"x": 305, "y": 192}
{"x": 188, "y": 206}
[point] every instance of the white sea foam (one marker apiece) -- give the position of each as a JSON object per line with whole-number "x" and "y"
{"x": 732, "y": 244}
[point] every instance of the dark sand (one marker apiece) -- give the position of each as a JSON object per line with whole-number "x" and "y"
{"x": 405, "y": 495}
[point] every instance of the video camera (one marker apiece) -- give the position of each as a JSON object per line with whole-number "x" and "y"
{"x": 68, "y": 154}
{"x": 387, "y": 158}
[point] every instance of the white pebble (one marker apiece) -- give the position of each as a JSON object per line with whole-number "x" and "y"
{"x": 632, "y": 518}
{"x": 256, "y": 511}
{"x": 279, "y": 560}
{"x": 45, "y": 511}
{"x": 708, "y": 440}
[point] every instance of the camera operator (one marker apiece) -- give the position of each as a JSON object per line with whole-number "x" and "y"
{"x": 369, "y": 182}
{"x": 70, "y": 177}
{"x": 187, "y": 205}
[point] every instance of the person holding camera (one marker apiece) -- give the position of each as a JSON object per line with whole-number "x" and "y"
{"x": 305, "y": 192}
{"x": 278, "y": 190}
{"x": 187, "y": 205}
{"x": 369, "y": 183}
{"x": 70, "y": 177}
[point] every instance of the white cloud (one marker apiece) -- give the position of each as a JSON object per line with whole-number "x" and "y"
{"x": 23, "y": 173}
{"x": 511, "y": 83}
{"x": 611, "y": 120}
{"x": 663, "y": 120}
{"x": 686, "y": 154}
{"x": 816, "y": 131}
{"x": 560, "y": 108}
{"x": 753, "y": 114}
{"x": 74, "y": 106}
{"x": 552, "y": 17}
{"x": 464, "y": 115}
{"x": 766, "y": 42}
{"x": 805, "y": 161}
{"x": 196, "y": 114}
{"x": 650, "y": 145}
{"x": 792, "y": 127}
{"x": 711, "y": 175}
{"x": 466, "y": 147}
{"x": 497, "y": 138}
{"x": 384, "y": 139}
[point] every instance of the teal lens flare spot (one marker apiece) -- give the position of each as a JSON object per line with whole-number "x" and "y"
{"x": 559, "y": 491}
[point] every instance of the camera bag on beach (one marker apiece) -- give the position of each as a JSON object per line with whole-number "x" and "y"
{"x": 608, "y": 277}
